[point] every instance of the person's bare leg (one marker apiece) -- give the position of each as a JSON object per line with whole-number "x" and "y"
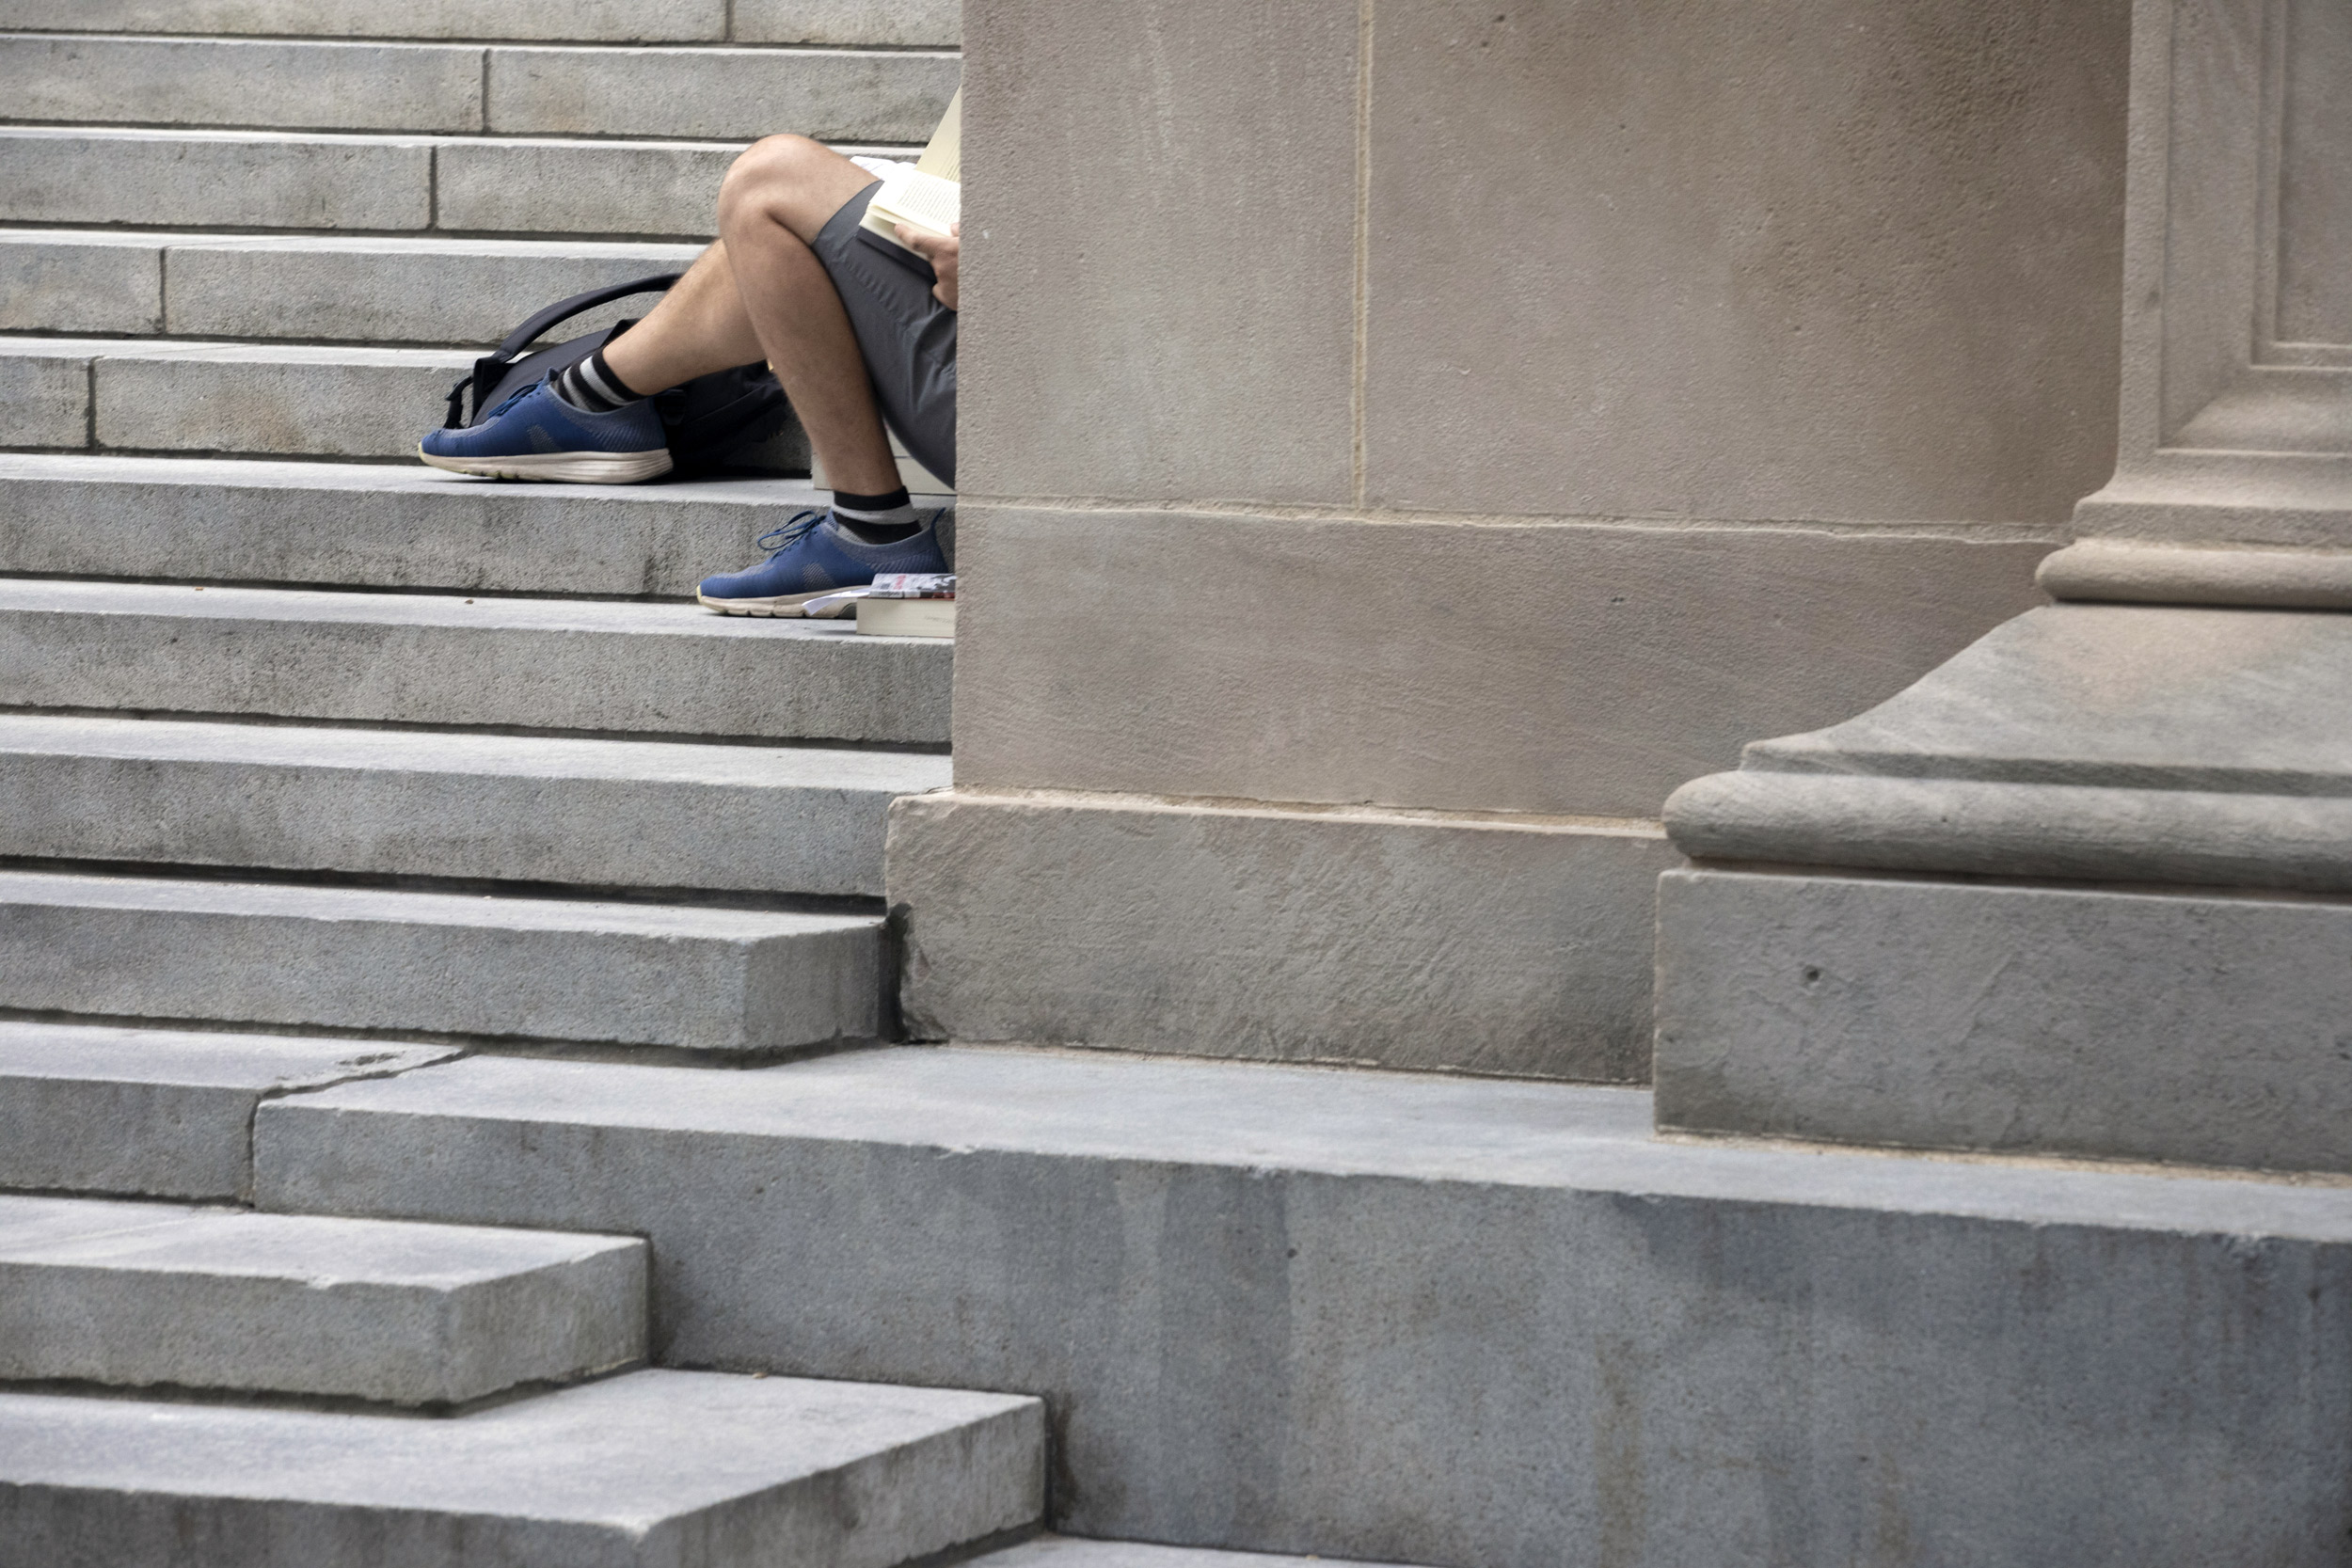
{"x": 699, "y": 327}
{"x": 777, "y": 196}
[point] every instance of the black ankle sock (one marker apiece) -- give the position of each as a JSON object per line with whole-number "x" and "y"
{"x": 590, "y": 387}
{"x": 883, "y": 519}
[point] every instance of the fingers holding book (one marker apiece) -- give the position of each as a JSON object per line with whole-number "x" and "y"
{"x": 942, "y": 251}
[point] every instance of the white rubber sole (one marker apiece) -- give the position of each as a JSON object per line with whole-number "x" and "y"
{"x": 786, "y": 605}
{"x": 563, "y": 468}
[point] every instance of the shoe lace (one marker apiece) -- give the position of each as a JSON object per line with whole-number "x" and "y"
{"x": 509, "y": 400}
{"x": 791, "y": 534}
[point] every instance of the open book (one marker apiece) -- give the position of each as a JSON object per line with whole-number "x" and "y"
{"x": 929, "y": 196}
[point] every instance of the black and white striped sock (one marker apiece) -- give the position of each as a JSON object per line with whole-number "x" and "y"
{"x": 883, "y": 519}
{"x": 590, "y": 387}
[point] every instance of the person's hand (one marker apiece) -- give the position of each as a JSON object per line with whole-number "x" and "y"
{"x": 941, "y": 254}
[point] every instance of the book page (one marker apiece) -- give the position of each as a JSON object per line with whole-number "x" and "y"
{"x": 944, "y": 157}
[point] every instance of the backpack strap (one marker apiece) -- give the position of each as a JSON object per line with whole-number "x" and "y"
{"x": 490, "y": 367}
{"x": 564, "y": 310}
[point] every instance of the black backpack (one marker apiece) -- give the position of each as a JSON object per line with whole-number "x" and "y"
{"x": 709, "y": 421}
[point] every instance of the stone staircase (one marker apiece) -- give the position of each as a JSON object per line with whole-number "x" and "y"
{"x": 311, "y": 756}
{"x": 422, "y": 934}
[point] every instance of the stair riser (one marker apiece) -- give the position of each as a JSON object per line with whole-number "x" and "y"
{"x": 530, "y": 829}
{"x": 901, "y": 23}
{"x": 1991, "y": 1347}
{"x": 292, "y": 408}
{"x": 400, "y": 1344}
{"x": 276, "y": 288}
{"x": 177, "y": 1107}
{"x": 780, "y": 687}
{"x": 653, "y": 191}
{"x": 707, "y": 994}
{"x": 255, "y": 402}
{"x": 396, "y": 527}
{"x": 700, "y": 93}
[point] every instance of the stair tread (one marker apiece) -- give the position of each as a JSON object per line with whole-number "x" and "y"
{"x": 236, "y": 353}
{"x": 1071, "y": 1551}
{"x": 465, "y": 89}
{"x": 376, "y": 525}
{"x": 302, "y": 901}
{"x": 141, "y": 1294}
{"x": 613, "y": 666}
{"x": 258, "y": 1064}
{"x": 320, "y": 1250}
{"x": 926, "y": 22}
{"x": 1266, "y": 1117}
{"x": 240, "y": 952}
{"x": 177, "y": 1105}
{"x": 783, "y": 767}
{"x": 751, "y": 1470}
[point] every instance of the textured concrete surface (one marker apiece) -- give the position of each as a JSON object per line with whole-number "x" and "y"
{"x": 471, "y": 292}
{"x": 232, "y": 179}
{"x": 1800, "y": 258}
{"x": 1069, "y": 1551}
{"x": 1483, "y": 944}
{"x": 1204, "y": 342}
{"x": 2028, "y": 1020}
{"x": 655, "y": 1469}
{"x": 524, "y": 186}
{"x": 427, "y": 659}
{"x": 616, "y": 21}
{"x": 531, "y": 809}
{"x": 1444, "y": 665}
{"x": 78, "y": 281}
{"x": 192, "y": 82}
{"x": 176, "y": 1107}
{"x": 142, "y": 1293}
{"x": 271, "y": 398}
{"x": 727, "y": 94}
{"x": 1439, "y": 1320}
{"x": 44, "y": 393}
{"x": 710, "y": 979}
{"x": 375, "y": 526}
{"x": 938, "y": 24}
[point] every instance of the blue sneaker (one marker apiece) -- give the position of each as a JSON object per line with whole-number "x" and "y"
{"x": 536, "y": 435}
{"x": 811, "y": 555}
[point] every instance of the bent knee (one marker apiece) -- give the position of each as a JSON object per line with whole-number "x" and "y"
{"x": 771, "y": 167}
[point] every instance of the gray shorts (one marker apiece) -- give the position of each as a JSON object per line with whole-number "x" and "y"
{"x": 907, "y": 336}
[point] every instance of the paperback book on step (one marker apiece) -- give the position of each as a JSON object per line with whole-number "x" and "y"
{"x": 928, "y": 197}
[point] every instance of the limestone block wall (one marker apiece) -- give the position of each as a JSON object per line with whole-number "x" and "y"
{"x": 1488, "y": 413}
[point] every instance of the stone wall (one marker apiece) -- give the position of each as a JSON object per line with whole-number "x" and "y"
{"x": 1466, "y": 410}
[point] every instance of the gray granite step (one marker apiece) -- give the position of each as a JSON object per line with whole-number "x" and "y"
{"x": 321, "y": 288}
{"x": 405, "y": 802}
{"x": 175, "y": 1106}
{"x": 614, "y": 21}
{"x": 400, "y": 185}
{"x": 694, "y": 978}
{"x": 1413, "y": 1319}
{"x": 277, "y": 399}
{"x": 1071, "y": 1551}
{"x": 651, "y": 1469}
{"x": 553, "y": 664}
{"x": 144, "y": 1295}
{"x": 911, "y": 23}
{"x": 377, "y": 526}
{"x": 712, "y": 93}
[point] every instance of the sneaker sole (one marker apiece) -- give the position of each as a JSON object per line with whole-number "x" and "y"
{"x": 563, "y": 468}
{"x": 787, "y": 605}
